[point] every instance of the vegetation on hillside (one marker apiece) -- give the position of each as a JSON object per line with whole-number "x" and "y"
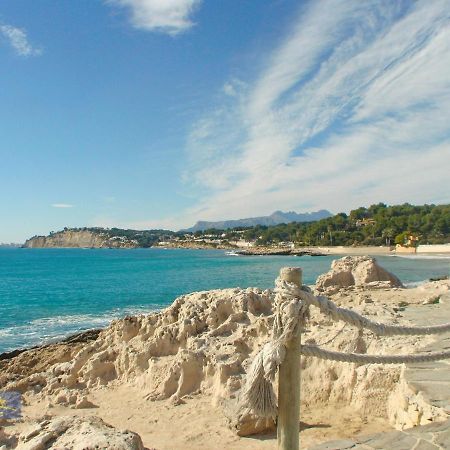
{"x": 377, "y": 225}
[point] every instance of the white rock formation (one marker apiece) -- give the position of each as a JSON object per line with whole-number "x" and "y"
{"x": 77, "y": 433}
{"x": 363, "y": 271}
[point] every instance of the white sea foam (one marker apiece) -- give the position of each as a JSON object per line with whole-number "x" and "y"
{"x": 51, "y": 329}
{"x": 436, "y": 256}
{"x": 414, "y": 284}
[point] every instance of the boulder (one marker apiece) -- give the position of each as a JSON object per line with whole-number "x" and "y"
{"x": 362, "y": 271}
{"x": 77, "y": 433}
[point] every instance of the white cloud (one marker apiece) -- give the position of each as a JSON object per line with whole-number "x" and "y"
{"x": 165, "y": 16}
{"x": 61, "y": 205}
{"x": 352, "y": 108}
{"x": 18, "y": 40}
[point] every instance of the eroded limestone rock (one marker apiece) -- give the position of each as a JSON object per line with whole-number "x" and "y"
{"x": 77, "y": 433}
{"x": 363, "y": 271}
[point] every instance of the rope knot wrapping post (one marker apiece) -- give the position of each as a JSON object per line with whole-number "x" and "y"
{"x": 291, "y": 313}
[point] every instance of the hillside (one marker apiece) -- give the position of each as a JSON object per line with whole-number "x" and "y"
{"x": 376, "y": 225}
{"x": 274, "y": 219}
{"x": 97, "y": 238}
{"x": 373, "y": 226}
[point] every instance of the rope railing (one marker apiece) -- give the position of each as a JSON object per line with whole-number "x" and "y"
{"x": 361, "y": 358}
{"x": 292, "y": 302}
{"x": 326, "y": 306}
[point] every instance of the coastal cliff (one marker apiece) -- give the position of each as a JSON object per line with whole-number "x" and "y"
{"x": 80, "y": 239}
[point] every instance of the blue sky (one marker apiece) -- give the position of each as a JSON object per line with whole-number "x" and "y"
{"x": 158, "y": 113}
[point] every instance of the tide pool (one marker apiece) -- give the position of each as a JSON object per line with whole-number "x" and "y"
{"x": 46, "y": 294}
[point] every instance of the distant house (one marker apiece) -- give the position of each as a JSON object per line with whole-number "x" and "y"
{"x": 242, "y": 243}
{"x": 365, "y": 222}
{"x": 412, "y": 241}
{"x": 409, "y": 245}
{"x": 286, "y": 244}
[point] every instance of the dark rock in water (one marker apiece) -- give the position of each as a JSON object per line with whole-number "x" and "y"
{"x": 84, "y": 336}
{"x": 264, "y": 251}
{"x": 441, "y": 278}
{"x": 78, "y": 338}
{"x": 12, "y": 354}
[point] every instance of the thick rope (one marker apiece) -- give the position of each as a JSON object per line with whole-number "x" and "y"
{"x": 312, "y": 350}
{"x": 258, "y": 394}
{"x": 291, "y": 311}
{"x": 327, "y": 307}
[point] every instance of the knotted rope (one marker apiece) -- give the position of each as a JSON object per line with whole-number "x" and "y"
{"x": 291, "y": 311}
{"x": 290, "y": 316}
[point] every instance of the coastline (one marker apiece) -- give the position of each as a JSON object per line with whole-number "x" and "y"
{"x": 71, "y": 339}
{"x": 137, "y": 288}
{"x": 91, "y": 334}
{"x": 425, "y": 250}
{"x": 315, "y": 251}
{"x": 98, "y": 378}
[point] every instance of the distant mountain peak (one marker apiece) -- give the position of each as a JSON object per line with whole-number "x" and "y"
{"x": 274, "y": 219}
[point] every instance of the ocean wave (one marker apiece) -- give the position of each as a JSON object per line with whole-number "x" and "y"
{"x": 414, "y": 284}
{"x": 46, "y": 330}
{"x": 436, "y": 256}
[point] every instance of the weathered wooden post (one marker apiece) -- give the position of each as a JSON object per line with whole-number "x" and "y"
{"x": 289, "y": 381}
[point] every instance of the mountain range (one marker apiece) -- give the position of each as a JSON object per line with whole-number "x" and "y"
{"x": 274, "y": 219}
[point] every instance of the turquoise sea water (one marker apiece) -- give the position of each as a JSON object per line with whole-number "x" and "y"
{"x": 46, "y": 294}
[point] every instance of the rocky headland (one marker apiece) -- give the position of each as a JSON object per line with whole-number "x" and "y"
{"x": 174, "y": 378}
{"x": 80, "y": 239}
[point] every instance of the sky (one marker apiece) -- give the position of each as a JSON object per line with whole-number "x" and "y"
{"x": 158, "y": 113}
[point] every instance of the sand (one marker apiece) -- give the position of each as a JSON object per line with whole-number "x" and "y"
{"x": 199, "y": 425}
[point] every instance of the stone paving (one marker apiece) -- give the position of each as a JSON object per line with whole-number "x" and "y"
{"x": 427, "y": 437}
{"x": 432, "y": 379}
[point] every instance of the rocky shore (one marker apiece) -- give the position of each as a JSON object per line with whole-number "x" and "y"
{"x": 195, "y": 245}
{"x": 152, "y": 374}
{"x": 276, "y": 251}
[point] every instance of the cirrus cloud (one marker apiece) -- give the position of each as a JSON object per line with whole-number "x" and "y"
{"x": 61, "y": 205}
{"x": 18, "y": 39}
{"x": 350, "y": 109}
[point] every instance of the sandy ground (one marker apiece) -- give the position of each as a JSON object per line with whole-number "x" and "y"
{"x": 197, "y": 425}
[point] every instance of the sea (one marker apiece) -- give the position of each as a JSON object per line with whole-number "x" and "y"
{"x": 48, "y": 294}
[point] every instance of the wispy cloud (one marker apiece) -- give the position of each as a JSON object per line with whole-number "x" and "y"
{"x": 351, "y": 108}
{"x": 18, "y": 39}
{"x": 61, "y": 205}
{"x": 165, "y": 16}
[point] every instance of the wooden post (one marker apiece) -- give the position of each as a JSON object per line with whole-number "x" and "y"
{"x": 289, "y": 382}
